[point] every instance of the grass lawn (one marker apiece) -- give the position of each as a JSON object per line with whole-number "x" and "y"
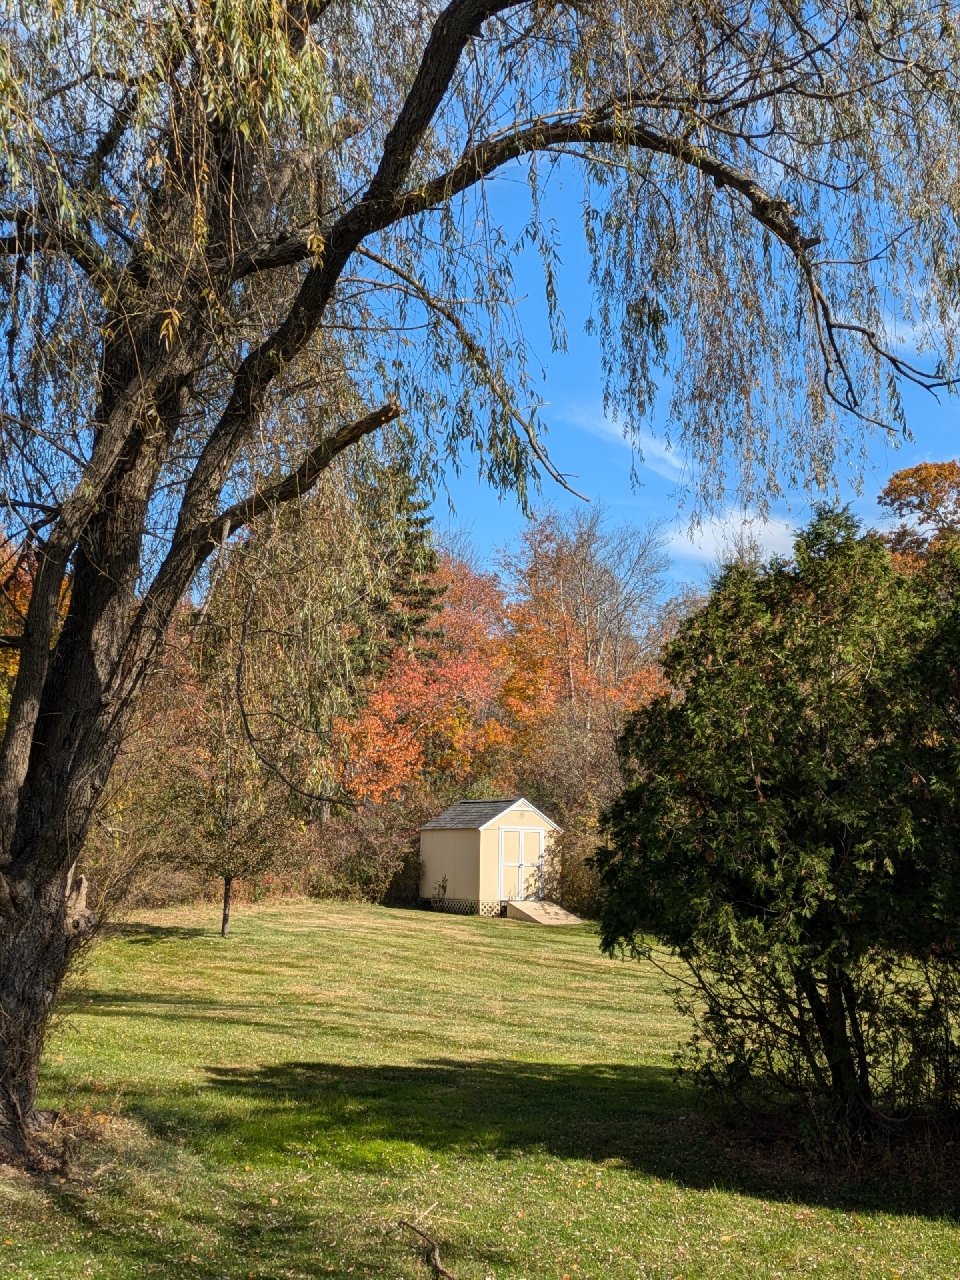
{"x": 272, "y": 1105}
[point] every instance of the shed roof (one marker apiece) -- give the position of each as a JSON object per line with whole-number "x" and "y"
{"x": 474, "y": 814}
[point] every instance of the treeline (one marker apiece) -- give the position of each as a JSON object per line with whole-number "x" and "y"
{"x": 342, "y": 676}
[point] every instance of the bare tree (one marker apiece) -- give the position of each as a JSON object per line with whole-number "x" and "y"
{"x": 229, "y": 820}
{"x": 238, "y": 236}
{"x": 599, "y": 584}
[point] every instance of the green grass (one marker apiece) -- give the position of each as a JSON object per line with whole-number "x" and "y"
{"x": 272, "y": 1105}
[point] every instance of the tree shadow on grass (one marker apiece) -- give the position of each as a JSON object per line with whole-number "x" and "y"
{"x": 638, "y": 1116}
{"x": 175, "y": 1007}
{"x": 363, "y": 1119}
{"x": 149, "y": 935}
{"x": 260, "y": 1239}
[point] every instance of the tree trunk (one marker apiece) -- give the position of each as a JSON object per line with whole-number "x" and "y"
{"x": 839, "y": 1049}
{"x": 39, "y": 932}
{"x": 851, "y": 1093}
{"x": 849, "y": 1089}
{"x": 856, "y": 1031}
{"x": 227, "y": 900}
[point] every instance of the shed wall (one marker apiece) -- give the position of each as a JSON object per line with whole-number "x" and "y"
{"x": 518, "y": 818}
{"x": 490, "y": 848}
{"x": 490, "y": 864}
{"x": 454, "y": 854}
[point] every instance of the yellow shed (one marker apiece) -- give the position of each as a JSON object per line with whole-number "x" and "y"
{"x": 479, "y": 855}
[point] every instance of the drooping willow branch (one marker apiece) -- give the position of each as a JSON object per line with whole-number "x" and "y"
{"x": 770, "y": 212}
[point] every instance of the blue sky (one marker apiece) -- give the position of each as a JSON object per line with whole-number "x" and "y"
{"x": 602, "y": 466}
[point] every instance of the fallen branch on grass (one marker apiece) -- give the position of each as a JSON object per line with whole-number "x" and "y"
{"x": 432, "y": 1252}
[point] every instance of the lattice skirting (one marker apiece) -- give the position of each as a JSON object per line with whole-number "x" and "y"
{"x": 456, "y": 906}
{"x": 467, "y": 907}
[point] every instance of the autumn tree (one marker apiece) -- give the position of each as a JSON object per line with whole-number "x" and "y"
{"x": 594, "y": 585}
{"x": 426, "y": 716}
{"x": 431, "y": 712}
{"x": 580, "y": 654}
{"x": 926, "y": 500}
{"x": 430, "y": 730}
{"x": 231, "y": 766}
{"x": 224, "y": 812}
{"x": 138, "y": 829}
{"x": 305, "y": 660}
{"x": 238, "y": 236}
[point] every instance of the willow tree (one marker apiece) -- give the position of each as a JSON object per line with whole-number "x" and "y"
{"x": 225, "y": 222}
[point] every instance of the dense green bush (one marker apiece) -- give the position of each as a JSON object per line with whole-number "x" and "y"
{"x": 789, "y": 827}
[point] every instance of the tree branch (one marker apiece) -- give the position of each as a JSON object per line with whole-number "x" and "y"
{"x": 607, "y": 127}
{"x": 301, "y": 481}
{"x": 769, "y": 211}
{"x": 110, "y": 139}
{"x": 455, "y": 26}
{"x": 314, "y": 797}
{"x": 34, "y": 234}
{"x": 477, "y": 353}
{"x": 192, "y": 546}
{"x": 432, "y": 1252}
{"x": 375, "y": 210}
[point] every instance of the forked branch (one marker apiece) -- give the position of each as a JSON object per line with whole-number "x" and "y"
{"x": 196, "y": 542}
{"x": 303, "y": 479}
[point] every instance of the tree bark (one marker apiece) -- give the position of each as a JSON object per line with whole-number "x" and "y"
{"x": 40, "y": 929}
{"x": 849, "y": 1088}
{"x": 227, "y": 901}
{"x": 846, "y": 1086}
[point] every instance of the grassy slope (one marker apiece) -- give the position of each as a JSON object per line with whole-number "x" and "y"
{"x": 272, "y": 1105}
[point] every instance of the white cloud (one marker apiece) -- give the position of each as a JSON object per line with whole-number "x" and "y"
{"x": 916, "y": 338}
{"x": 709, "y": 541}
{"x": 657, "y": 455}
{"x": 903, "y": 336}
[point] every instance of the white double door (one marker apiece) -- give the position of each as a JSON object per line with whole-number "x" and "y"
{"x": 521, "y": 864}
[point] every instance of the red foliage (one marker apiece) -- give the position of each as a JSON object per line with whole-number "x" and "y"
{"x": 479, "y": 701}
{"x": 435, "y": 711}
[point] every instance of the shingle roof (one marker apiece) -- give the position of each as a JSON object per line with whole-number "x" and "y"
{"x": 471, "y": 814}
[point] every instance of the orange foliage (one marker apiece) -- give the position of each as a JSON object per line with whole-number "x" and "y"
{"x": 480, "y": 701}
{"x": 930, "y": 491}
{"x": 534, "y": 677}
{"x": 926, "y": 498}
{"x": 432, "y": 712}
{"x": 426, "y": 714}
